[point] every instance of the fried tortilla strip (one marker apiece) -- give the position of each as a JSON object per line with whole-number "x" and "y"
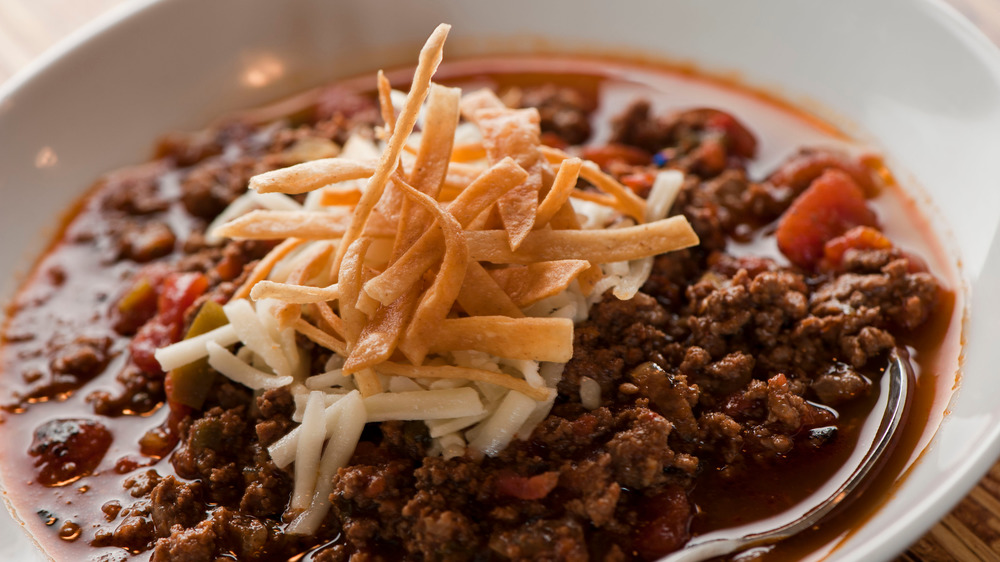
{"x": 265, "y": 265}
{"x": 464, "y": 373}
{"x": 319, "y": 337}
{"x": 380, "y": 336}
{"x": 425, "y": 252}
{"x": 333, "y": 196}
{"x": 431, "y": 165}
{"x": 537, "y": 339}
{"x": 294, "y": 294}
{"x": 349, "y": 282}
{"x": 515, "y": 133}
{"x": 385, "y": 102}
{"x": 558, "y": 195}
{"x": 565, "y": 219}
{"x": 482, "y": 296}
{"x": 330, "y": 317}
{"x": 436, "y": 140}
{"x": 436, "y": 302}
{"x": 599, "y": 198}
{"x": 308, "y": 176}
{"x": 468, "y": 152}
{"x": 459, "y": 177}
{"x": 351, "y": 272}
{"x": 601, "y": 246}
{"x": 483, "y": 98}
{"x": 306, "y": 266}
{"x": 630, "y": 203}
{"x": 275, "y": 225}
{"x": 430, "y": 58}
{"x": 528, "y": 284}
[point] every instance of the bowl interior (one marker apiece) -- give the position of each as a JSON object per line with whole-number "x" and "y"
{"x": 909, "y": 76}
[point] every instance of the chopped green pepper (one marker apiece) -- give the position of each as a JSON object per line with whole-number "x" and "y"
{"x": 189, "y": 385}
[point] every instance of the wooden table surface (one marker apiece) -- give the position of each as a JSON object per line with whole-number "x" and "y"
{"x": 970, "y": 532}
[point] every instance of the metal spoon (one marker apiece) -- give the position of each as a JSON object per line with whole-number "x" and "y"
{"x": 892, "y": 402}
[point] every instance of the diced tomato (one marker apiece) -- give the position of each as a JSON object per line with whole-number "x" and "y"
{"x": 639, "y": 182}
{"x": 829, "y": 207}
{"x": 740, "y": 141}
{"x": 68, "y": 449}
{"x": 857, "y": 238}
{"x": 604, "y": 155}
{"x": 176, "y": 295}
{"x": 667, "y": 517}
{"x": 802, "y": 169}
{"x": 526, "y": 487}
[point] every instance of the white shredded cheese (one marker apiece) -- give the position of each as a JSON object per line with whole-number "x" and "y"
{"x": 493, "y": 435}
{"x": 308, "y": 452}
{"x": 302, "y": 398}
{"x": 424, "y": 404}
{"x": 282, "y": 451}
{"x": 255, "y": 336}
{"x": 220, "y": 359}
{"x": 344, "y": 436}
{"x": 438, "y": 428}
{"x": 192, "y": 349}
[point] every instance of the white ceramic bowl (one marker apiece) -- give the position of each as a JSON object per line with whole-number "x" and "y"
{"x": 908, "y": 75}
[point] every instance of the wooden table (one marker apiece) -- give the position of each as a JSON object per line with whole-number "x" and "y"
{"x": 970, "y": 532}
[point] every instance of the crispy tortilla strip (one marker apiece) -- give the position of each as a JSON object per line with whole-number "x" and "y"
{"x": 425, "y": 252}
{"x": 381, "y": 334}
{"x": 349, "y": 281}
{"x": 307, "y": 265}
{"x": 464, "y": 373}
{"x": 528, "y": 284}
{"x": 308, "y": 176}
{"x": 385, "y": 102}
{"x": 294, "y": 294}
{"x": 436, "y": 139}
{"x": 274, "y": 225}
{"x": 368, "y": 383}
{"x": 459, "y": 176}
{"x": 631, "y": 204}
{"x": 310, "y": 262}
{"x": 515, "y": 133}
{"x": 333, "y": 196}
{"x": 601, "y": 246}
{"x": 430, "y": 58}
{"x": 319, "y": 337}
{"x": 351, "y": 277}
{"x": 431, "y": 165}
{"x": 265, "y": 265}
{"x": 482, "y": 296}
{"x": 565, "y": 219}
{"x": 330, "y": 318}
{"x": 558, "y": 195}
{"x": 437, "y": 301}
{"x": 484, "y": 98}
{"x": 537, "y": 339}
{"x": 488, "y": 188}
{"x": 468, "y": 152}
{"x": 599, "y": 198}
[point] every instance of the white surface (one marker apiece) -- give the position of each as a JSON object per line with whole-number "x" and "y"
{"x": 912, "y": 77}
